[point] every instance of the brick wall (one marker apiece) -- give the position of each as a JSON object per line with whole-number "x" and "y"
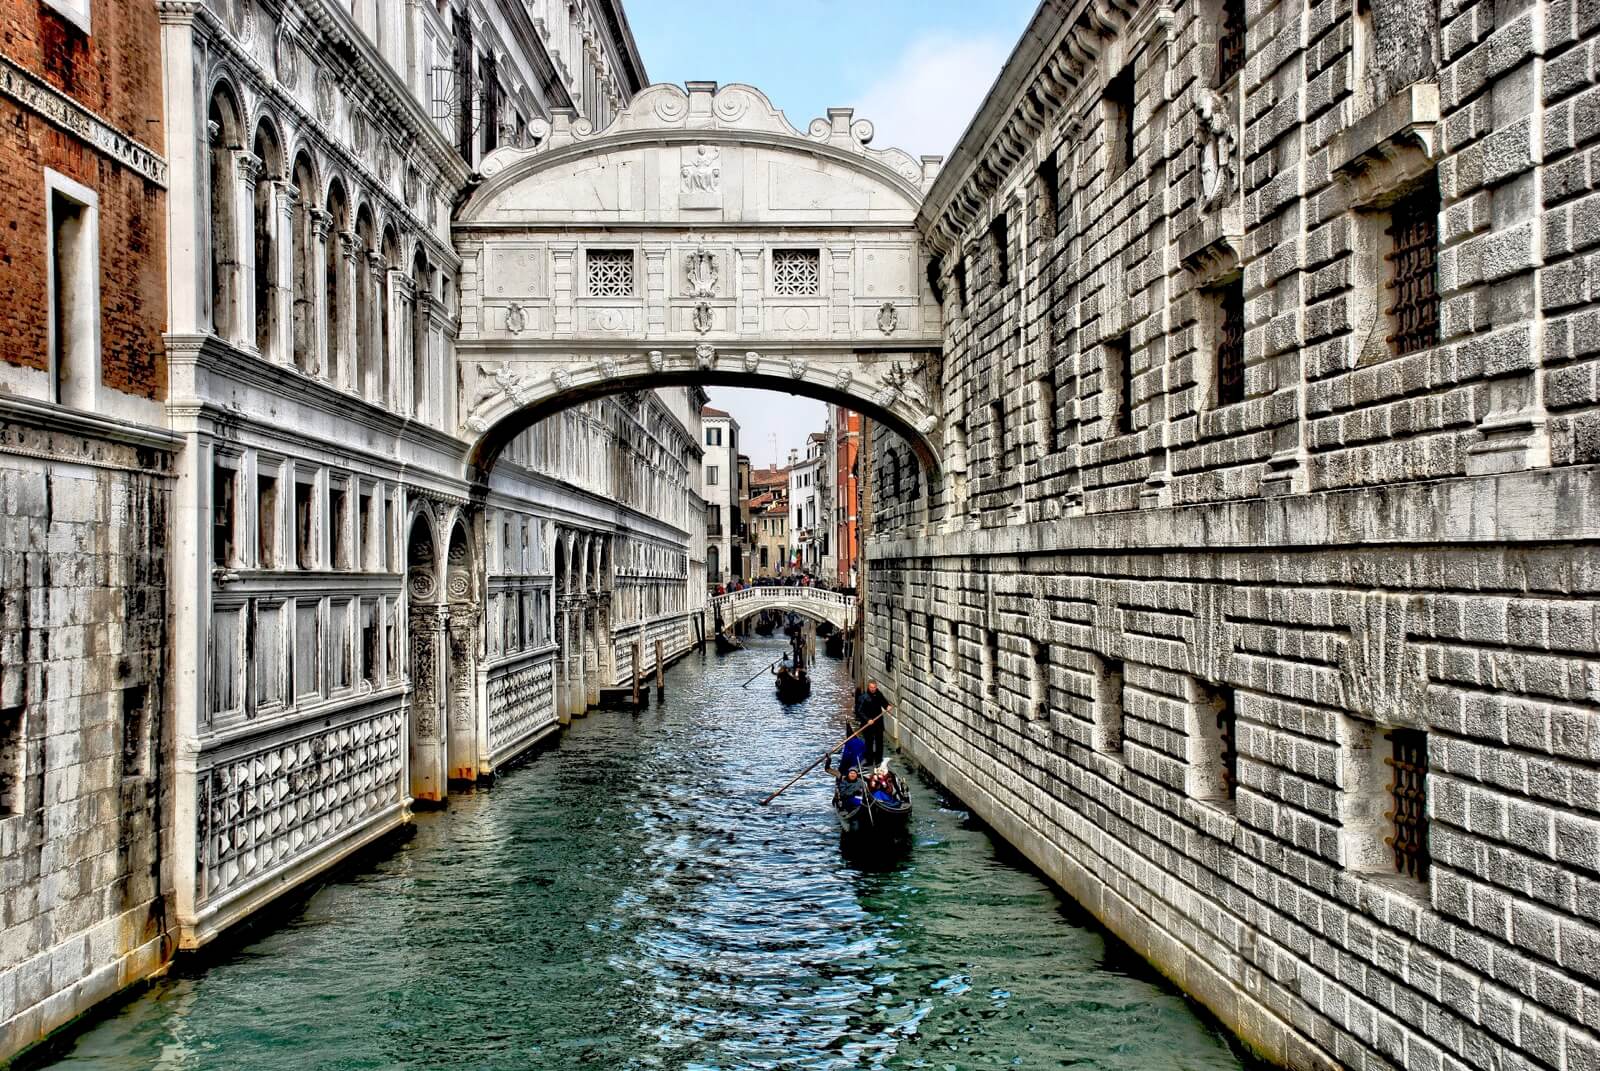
{"x": 1164, "y": 640}
{"x": 116, "y": 73}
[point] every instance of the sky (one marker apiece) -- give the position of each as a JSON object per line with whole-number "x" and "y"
{"x": 917, "y": 69}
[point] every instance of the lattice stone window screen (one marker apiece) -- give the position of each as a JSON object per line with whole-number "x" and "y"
{"x": 610, "y": 272}
{"x": 796, "y": 272}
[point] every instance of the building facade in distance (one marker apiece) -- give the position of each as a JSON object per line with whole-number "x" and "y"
{"x": 720, "y": 489}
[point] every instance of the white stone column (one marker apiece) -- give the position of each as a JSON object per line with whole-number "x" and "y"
{"x": 373, "y": 388}
{"x": 321, "y": 226}
{"x": 284, "y": 200}
{"x": 188, "y": 145}
{"x": 401, "y": 293}
{"x": 349, "y": 322}
{"x": 248, "y": 167}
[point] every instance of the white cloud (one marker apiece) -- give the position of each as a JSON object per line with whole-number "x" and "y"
{"x": 924, "y": 101}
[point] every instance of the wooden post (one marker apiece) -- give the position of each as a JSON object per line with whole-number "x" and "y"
{"x": 661, "y": 679}
{"x": 638, "y": 670}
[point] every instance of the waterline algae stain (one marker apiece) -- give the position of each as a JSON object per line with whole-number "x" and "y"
{"x": 624, "y": 902}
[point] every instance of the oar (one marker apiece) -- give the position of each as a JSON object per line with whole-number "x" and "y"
{"x": 764, "y": 669}
{"x": 824, "y": 756}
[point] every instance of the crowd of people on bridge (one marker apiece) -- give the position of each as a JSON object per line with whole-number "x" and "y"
{"x": 802, "y": 580}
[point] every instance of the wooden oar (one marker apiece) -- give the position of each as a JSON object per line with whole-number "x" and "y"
{"x": 764, "y": 669}
{"x": 823, "y": 757}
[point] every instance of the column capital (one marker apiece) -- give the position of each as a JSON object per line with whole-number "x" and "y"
{"x": 321, "y": 223}
{"x": 250, "y": 166}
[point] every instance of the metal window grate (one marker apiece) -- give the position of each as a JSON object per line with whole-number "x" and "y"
{"x": 796, "y": 272}
{"x": 1414, "y": 235}
{"x": 1228, "y": 737}
{"x": 1230, "y": 41}
{"x": 1230, "y": 344}
{"x": 610, "y": 272}
{"x": 1408, "y": 797}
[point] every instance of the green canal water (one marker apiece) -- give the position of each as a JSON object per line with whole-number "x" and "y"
{"x": 622, "y": 902}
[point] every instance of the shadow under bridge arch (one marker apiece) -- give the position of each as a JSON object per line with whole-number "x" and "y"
{"x": 698, "y": 239}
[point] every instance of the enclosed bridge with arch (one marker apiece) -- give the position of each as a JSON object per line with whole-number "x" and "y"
{"x": 699, "y": 238}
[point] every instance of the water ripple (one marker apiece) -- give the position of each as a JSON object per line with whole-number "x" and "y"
{"x": 625, "y": 903}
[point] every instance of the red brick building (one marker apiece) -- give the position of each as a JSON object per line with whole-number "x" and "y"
{"x": 847, "y": 499}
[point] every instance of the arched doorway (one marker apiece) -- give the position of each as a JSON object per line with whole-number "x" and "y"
{"x": 714, "y": 563}
{"x": 425, "y": 655}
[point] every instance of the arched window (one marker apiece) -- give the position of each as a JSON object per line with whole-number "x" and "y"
{"x": 305, "y": 275}
{"x": 225, "y": 142}
{"x": 365, "y": 237}
{"x": 266, "y": 290}
{"x": 338, "y": 225}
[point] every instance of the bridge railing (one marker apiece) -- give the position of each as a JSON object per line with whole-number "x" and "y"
{"x": 834, "y": 603}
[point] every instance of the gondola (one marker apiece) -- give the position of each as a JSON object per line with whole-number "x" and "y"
{"x": 765, "y": 624}
{"x": 825, "y": 629}
{"x": 875, "y": 806}
{"x": 793, "y": 685}
{"x": 727, "y": 644}
{"x": 834, "y": 644}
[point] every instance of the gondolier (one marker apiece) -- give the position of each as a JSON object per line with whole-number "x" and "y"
{"x": 870, "y": 704}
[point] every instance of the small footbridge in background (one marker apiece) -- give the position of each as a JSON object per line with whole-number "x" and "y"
{"x": 819, "y": 604}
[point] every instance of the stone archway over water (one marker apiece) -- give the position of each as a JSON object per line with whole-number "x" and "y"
{"x": 699, "y": 238}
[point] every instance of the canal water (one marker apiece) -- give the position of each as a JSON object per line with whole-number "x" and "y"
{"x": 623, "y": 902}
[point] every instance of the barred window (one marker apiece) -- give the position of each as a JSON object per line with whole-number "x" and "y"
{"x": 1001, "y": 242}
{"x": 1408, "y": 801}
{"x": 610, "y": 272}
{"x": 796, "y": 272}
{"x": 1413, "y": 257}
{"x": 1230, "y": 343}
{"x": 1230, "y": 40}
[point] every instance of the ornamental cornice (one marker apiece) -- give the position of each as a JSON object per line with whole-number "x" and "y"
{"x": 1061, "y": 45}
{"x": 55, "y": 107}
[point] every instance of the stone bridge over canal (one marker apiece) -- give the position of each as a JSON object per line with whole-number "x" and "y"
{"x": 819, "y": 604}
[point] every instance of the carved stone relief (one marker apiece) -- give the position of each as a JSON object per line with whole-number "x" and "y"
{"x": 700, "y": 179}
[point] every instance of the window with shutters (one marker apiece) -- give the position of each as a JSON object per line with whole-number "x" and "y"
{"x": 610, "y": 272}
{"x": 796, "y": 272}
{"x": 1413, "y": 296}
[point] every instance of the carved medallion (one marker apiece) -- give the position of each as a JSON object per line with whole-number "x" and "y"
{"x": 360, "y": 134}
{"x": 888, "y": 318}
{"x": 702, "y": 317}
{"x": 284, "y": 59}
{"x": 327, "y": 94}
{"x": 242, "y": 20}
{"x": 700, "y": 273}
{"x": 516, "y": 320}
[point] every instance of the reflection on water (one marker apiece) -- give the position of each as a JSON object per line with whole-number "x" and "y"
{"x": 624, "y": 902}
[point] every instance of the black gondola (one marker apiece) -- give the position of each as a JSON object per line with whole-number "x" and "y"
{"x": 793, "y": 685}
{"x": 825, "y": 629}
{"x": 834, "y": 644}
{"x": 726, "y": 643}
{"x": 765, "y": 623}
{"x": 876, "y": 805}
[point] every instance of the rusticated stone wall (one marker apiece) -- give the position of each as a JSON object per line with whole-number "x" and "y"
{"x": 1246, "y": 567}
{"x": 83, "y": 696}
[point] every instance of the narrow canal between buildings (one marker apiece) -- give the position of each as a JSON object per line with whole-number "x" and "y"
{"x": 623, "y": 902}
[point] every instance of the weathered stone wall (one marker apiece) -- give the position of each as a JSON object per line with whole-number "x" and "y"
{"x": 83, "y": 695}
{"x": 1168, "y": 639}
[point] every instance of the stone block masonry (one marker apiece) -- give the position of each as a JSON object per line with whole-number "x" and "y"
{"x": 83, "y": 758}
{"x": 1256, "y": 599}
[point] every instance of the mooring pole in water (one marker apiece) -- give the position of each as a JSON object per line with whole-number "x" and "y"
{"x": 661, "y": 679}
{"x": 638, "y": 662}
